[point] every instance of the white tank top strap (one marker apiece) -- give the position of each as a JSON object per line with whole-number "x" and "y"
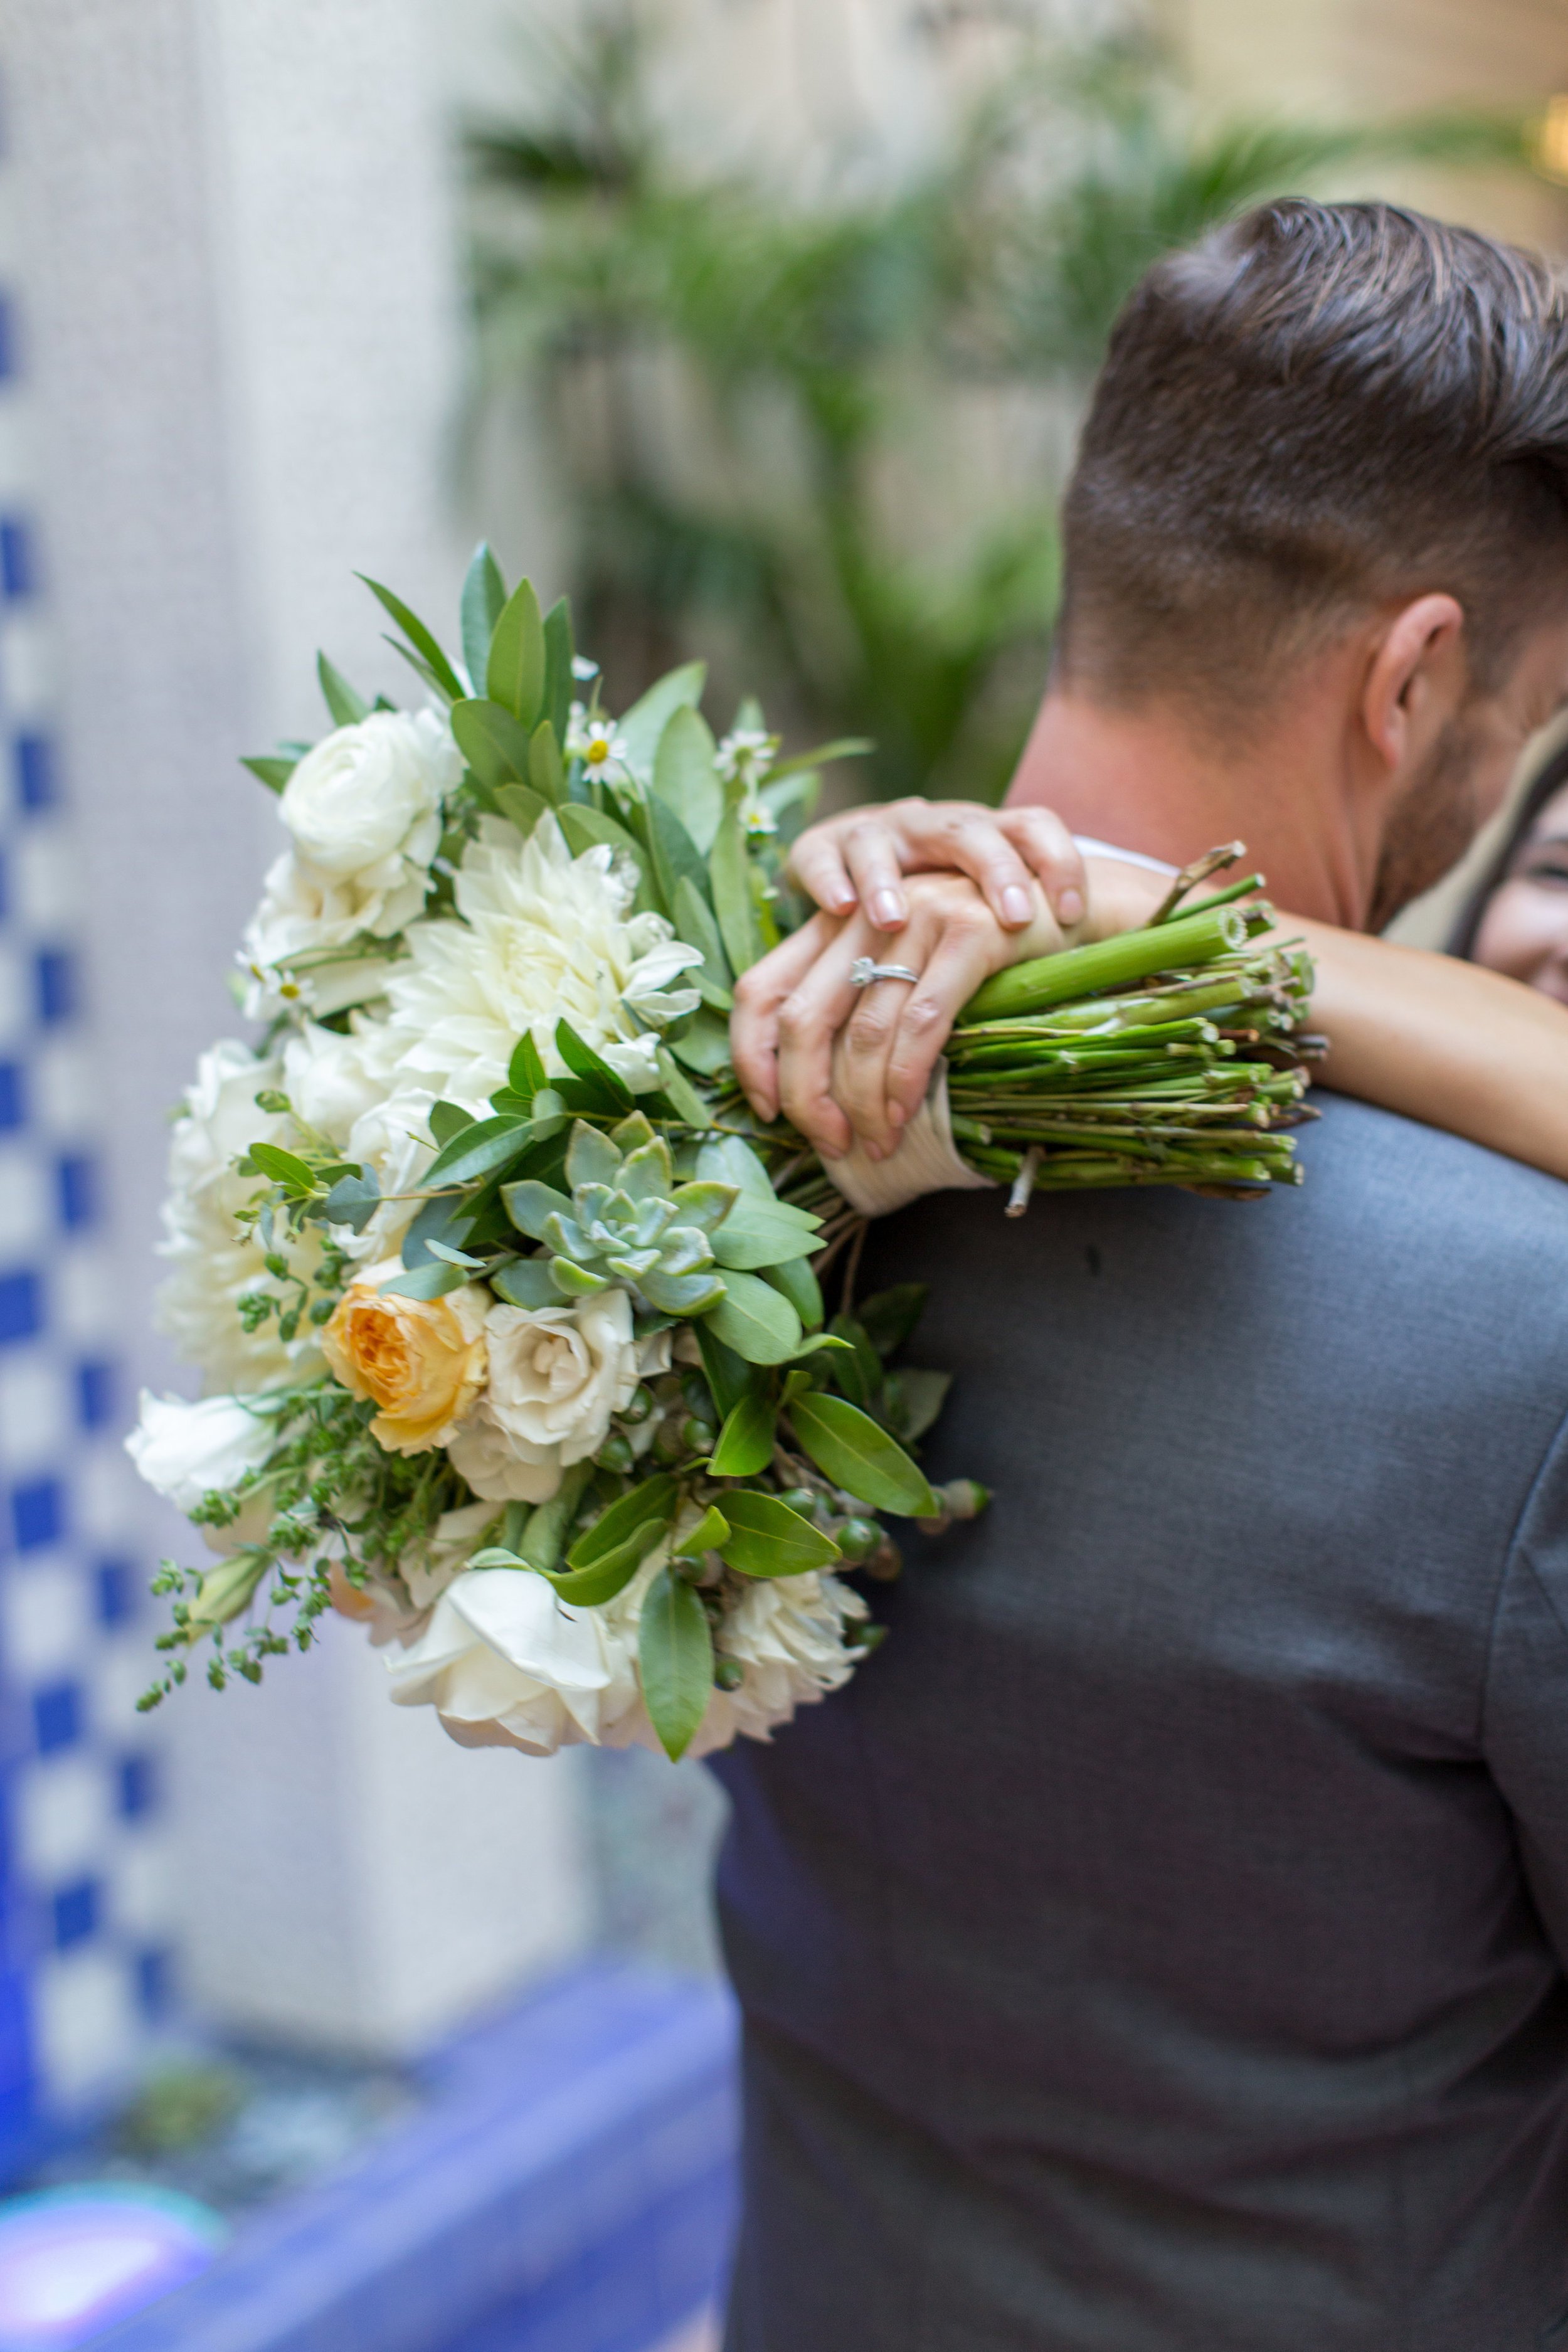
{"x": 1092, "y": 848}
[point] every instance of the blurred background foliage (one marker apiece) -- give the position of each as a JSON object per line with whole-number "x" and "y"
{"x": 819, "y": 430}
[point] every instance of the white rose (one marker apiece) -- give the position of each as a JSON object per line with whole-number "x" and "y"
{"x": 332, "y": 1081}
{"x": 371, "y": 794}
{"x": 505, "y": 1665}
{"x": 556, "y": 1375}
{"x": 189, "y": 1450}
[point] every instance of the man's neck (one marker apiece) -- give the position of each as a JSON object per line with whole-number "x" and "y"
{"x": 1140, "y": 781}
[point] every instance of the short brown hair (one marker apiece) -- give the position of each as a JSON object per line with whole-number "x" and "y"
{"x": 1316, "y": 409}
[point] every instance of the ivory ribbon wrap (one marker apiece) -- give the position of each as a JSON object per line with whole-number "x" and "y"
{"x": 927, "y": 1161}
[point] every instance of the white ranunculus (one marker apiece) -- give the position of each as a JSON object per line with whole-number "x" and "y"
{"x": 543, "y": 935}
{"x": 371, "y": 793}
{"x": 794, "y": 1636}
{"x": 334, "y": 1080}
{"x": 556, "y": 1375}
{"x": 189, "y": 1451}
{"x": 211, "y": 1263}
{"x": 364, "y": 810}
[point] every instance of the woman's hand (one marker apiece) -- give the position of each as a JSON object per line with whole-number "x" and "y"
{"x": 860, "y": 859}
{"x": 841, "y": 1061}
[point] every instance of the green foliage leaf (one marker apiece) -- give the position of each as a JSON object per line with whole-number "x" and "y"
{"x": 729, "y": 1159}
{"x": 526, "y": 1071}
{"x": 544, "y": 1538}
{"x": 484, "y": 594}
{"x": 644, "y": 724}
{"x": 795, "y": 1277}
{"x": 649, "y": 1504}
{"x": 860, "y": 1372}
{"x": 685, "y": 779}
{"x": 514, "y": 674}
{"x": 675, "y": 1658}
{"x": 705, "y": 1045}
{"x": 584, "y": 1063}
{"x": 559, "y": 684}
{"x": 746, "y": 1445}
{"x": 694, "y": 923}
{"x": 346, "y": 707}
{"x": 479, "y": 1150}
{"x": 545, "y": 770}
{"x": 273, "y": 773}
{"x": 767, "y": 1538}
{"x": 227, "y": 1589}
{"x": 912, "y": 1400}
{"x": 730, "y": 869}
{"x": 759, "y": 1233}
{"x": 729, "y": 1376}
{"x": 590, "y": 1588}
{"x": 434, "y": 1279}
{"x": 522, "y": 806}
{"x": 353, "y": 1201}
{"x": 446, "y": 1219}
{"x": 296, "y": 1176}
{"x": 586, "y": 828}
{"x": 755, "y": 1320}
{"x": 674, "y": 853}
{"x": 443, "y": 675}
{"x": 490, "y": 740}
{"x": 708, "y": 1533}
{"x": 850, "y": 1448}
{"x": 890, "y": 1318}
{"x": 448, "y": 1119}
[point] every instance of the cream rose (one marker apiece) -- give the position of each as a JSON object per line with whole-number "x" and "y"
{"x": 189, "y": 1451}
{"x": 421, "y": 1361}
{"x": 556, "y": 1375}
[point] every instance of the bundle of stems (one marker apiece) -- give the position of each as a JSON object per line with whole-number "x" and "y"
{"x": 1173, "y": 1054}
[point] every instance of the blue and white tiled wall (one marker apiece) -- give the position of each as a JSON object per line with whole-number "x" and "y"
{"x": 83, "y": 1964}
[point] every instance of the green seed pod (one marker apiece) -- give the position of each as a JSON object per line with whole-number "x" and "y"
{"x": 669, "y": 1444}
{"x": 635, "y": 1413}
{"x": 885, "y": 1563}
{"x": 858, "y": 1539}
{"x": 799, "y": 1498}
{"x": 616, "y": 1454}
{"x": 700, "y": 1435}
{"x": 728, "y": 1674}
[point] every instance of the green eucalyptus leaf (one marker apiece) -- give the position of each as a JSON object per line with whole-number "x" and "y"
{"x": 693, "y": 919}
{"x": 346, "y": 707}
{"x": 432, "y": 659}
{"x": 448, "y": 1119}
{"x": 484, "y": 594}
{"x": 674, "y": 1659}
{"x": 584, "y": 1063}
{"x": 545, "y": 772}
{"x": 767, "y": 1538}
{"x": 913, "y": 1399}
{"x": 273, "y": 773}
{"x": 755, "y": 1320}
{"x": 644, "y": 724}
{"x": 284, "y": 1168}
{"x": 522, "y": 806}
{"x": 850, "y": 1448}
{"x": 729, "y": 1159}
{"x": 525, "y": 1072}
{"x": 353, "y": 1201}
{"x": 799, "y": 1285}
{"x": 588, "y": 828}
{"x": 444, "y": 1219}
{"x": 746, "y": 1445}
{"x": 431, "y": 1280}
{"x": 685, "y": 780}
{"x": 889, "y": 1318}
{"x": 490, "y": 740}
{"x": 704, "y": 1047}
{"x": 514, "y": 673}
{"x": 674, "y": 853}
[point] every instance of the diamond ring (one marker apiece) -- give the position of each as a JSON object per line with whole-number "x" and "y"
{"x": 864, "y": 972}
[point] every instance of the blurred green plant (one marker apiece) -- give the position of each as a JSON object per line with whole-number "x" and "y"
{"x": 179, "y": 2106}
{"x": 765, "y": 407}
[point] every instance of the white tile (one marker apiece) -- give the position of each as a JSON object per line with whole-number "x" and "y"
{"x": 15, "y": 995}
{"x": 108, "y": 1495}
{"x": 44, "y": 881}
{"x": 26, "y": 669}
{"x": 120, "y": 1669}
{"x": 67, "y": 1099}
{"x": 140, "y": 1887}
{"x": 38, "y": 1414}
{"x": 45, "y": 1618}
{"x": 27, "y": 1201}
{"x": 64, "y": 1816}
{"x": 88, "y": 2031}
{"x": 81, "y": 1289}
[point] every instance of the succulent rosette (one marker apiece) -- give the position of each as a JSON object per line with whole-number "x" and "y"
{"x": 508, "y": 1314}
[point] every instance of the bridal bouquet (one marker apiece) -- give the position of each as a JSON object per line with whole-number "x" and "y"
{"x": 509, "y": 1315}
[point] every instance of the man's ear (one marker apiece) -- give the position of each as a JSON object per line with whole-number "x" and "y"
{"x": 1416, "y": 680}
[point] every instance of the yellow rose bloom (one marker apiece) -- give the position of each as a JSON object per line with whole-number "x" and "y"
{"x": 421, "y": 1361}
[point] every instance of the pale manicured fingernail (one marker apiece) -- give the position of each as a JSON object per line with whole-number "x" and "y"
{"x": 1070, "y": 908}
{"x": 1015, "y": 904}
{"x": 887, "y": 909}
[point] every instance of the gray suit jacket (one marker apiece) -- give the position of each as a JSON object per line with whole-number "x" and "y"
{"x": 1160, "y": 1947}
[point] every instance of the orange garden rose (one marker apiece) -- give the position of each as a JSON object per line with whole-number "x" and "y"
{"x": 421, "y": 1361}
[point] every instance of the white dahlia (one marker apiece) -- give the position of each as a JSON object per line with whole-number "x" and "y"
{"x": 543, "y": 935}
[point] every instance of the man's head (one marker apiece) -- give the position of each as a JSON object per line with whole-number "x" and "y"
{"x": 1333, "y": 426}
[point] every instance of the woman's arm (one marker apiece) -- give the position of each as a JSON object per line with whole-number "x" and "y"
{"x": 1440, "y": 1041}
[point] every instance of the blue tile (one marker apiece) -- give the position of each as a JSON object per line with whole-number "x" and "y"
{"x": 13, "y": 1100}
{"x": 95, "y": 1393}
{"x": 57, "y": 1717}
{"x": 153, "y": 1985}
{"x": 19, "y": 561}
{"x": 76, "y": 1182}
{"x": 7, "y": 338}
{"x": 5, "y": 892}
{"x": 55, "y": 977}
{"x": 37, "y": 1514}
{"x": 35, "y": 779}
{"x": 138, "y": 1793}
{"x": 116, "y": 1591}
{"x": 76, "y": 1910}
{"x": 21, "y": 1307}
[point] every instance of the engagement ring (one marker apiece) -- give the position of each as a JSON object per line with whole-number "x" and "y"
{"x": 863, "y": 972}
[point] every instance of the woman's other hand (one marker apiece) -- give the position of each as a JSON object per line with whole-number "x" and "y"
{"x": 1012, "y": 854}
{"x": 841, "y": 1061}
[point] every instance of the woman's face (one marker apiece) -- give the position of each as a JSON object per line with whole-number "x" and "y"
{"x": 1524, "y": 932}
